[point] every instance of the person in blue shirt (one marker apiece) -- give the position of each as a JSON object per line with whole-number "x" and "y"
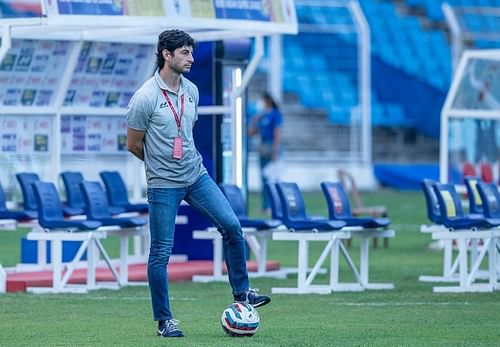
{"x": 267, "y": 123}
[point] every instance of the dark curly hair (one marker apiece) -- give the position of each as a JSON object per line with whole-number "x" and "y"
{"x": 171, "y": 40}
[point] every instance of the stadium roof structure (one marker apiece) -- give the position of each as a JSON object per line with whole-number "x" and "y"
{"x": 137, "y": 21}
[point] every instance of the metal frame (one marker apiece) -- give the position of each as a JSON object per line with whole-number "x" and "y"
{"x": 448, "y": 112}
{"x": 458, "y": 34}
{"x": 466, "y": 272}
{"x": 333, "y": 248}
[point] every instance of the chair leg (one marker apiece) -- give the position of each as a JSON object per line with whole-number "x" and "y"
{"x": 386, "y": 242}
{"x": 375, "y": 242}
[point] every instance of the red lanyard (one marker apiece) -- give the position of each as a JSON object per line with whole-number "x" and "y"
{"x": 174, "y": 112}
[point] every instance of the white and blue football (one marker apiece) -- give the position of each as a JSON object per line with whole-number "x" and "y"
{"x": 240, "y": 320}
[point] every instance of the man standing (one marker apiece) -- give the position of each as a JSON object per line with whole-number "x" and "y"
{"x": 161, "y": 116}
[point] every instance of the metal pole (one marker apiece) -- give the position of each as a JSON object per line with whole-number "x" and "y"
{"x": 456, "y": 34}
{"x": 275, "y": 68}
{"x": 364, "y": 64}
{"x": 237, "y": 110}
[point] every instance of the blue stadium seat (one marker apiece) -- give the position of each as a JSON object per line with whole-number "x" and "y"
{"x": 50, "y": 213}
{"x": 25, "y": 180}
{"x": 475, "y": 201}
{"x": 274, "y": 199}
{"x": 339, "y": 208}
{"x": 74, "y": 195}
{"x": 17, "y": 215}
{"x": 491, "y": 199}
{"x": 431, "y": 200}
{"x": 452, "y": 213}
{"x": 294, "y": 211}
{"x": 117, "y": 194}
{"x": 238, "y": 204}
{"x": 97, "y": 208}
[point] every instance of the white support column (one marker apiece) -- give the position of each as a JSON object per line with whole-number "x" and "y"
{"x": 364, "y": 77}
{"x": 236, "y": 103}
{"x": 91, "y": 264}
{"x": 275, "y": 68}
{"x": 3, "y": 280}
{"x": 56, "y": 257}
{"x": 448, "y": 257}
{"x": 492, "y": 261}
{"x": 363, "y": 262}
{"x": 335, "y": 265}
{"x": 58, "y": 103}
{"x": 302, "y": 266}
{"x": 124, "y": 259}
{"x": 262, "y": 254}
{"x": 6, "y": 41}
{"x": 462, "y": 253}
{"x": 218, "y": 258}
{"x": 457, "y": 45}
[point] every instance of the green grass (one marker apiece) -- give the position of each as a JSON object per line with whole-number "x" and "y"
{"x": 410, "y": 315}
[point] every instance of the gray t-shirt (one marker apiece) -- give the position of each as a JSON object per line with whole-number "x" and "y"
{"x": 149, "y": 111}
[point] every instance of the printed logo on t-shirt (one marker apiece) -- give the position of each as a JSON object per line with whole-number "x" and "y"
{"x": 163, "y": 104}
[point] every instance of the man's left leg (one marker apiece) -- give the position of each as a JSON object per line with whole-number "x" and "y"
{"x": 205, "y": 196}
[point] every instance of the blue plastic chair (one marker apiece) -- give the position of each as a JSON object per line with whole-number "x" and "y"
{"x": 432, "y": 202}
{"x": 491, "y": 199}
{"x": 274, "y": 199}
{"x": 117, "y": 192}
{"x": 17, "y": 215}
{"x": 25, "y": 180}
{"x": 238, "y": 204}
{"x": 50, "y": 213}
{"x": 340, "y": 209}
{"x": 475, "y": 202}
{"x": 74, "y": 199}
{"x": 294, "y": 211}
{"x": 97, "y": 208}
{"x": 74, "y": 195}
{"x": 452, "y": 213}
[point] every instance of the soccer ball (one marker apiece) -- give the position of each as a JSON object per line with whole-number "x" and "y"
{"x": 240, "y": 320}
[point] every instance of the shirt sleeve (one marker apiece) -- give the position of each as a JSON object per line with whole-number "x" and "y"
{"x": 139, "y": 111}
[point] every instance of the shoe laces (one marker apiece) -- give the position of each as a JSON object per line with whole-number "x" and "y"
{"x": 172, "y": 324}
{"x": 253, "y": 290}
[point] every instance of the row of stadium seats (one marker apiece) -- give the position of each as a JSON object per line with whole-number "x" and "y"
{"x": 333, "y": 86}
{"x": 116, "y": 194}
{"x": 397, "y": 41}
{"x": 433, "y": 7}
{"x": 402, "y": 42}
{"x": 482, "y": 21}
{"x": 291, "y": 223}
{"x": 452, "y": 225}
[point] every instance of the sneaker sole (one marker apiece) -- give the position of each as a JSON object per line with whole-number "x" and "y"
{"x": 262, "y": 303}
{"x": 161, "y": 335}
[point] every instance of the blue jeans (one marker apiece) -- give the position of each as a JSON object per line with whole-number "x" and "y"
{"x": 206, "y": 197}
